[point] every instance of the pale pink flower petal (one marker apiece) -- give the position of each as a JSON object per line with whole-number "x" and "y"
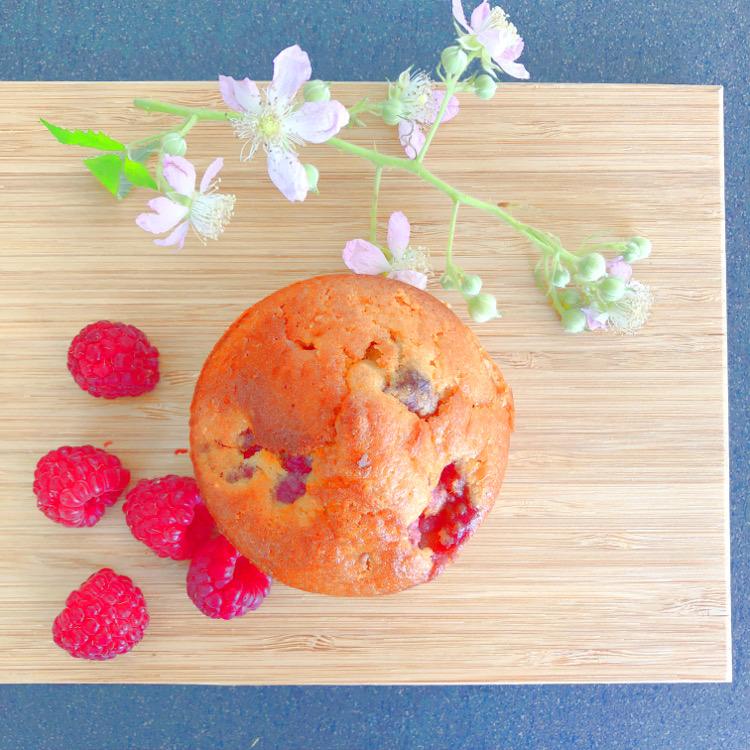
{"x": 618, "y": 267}
{"x": 451, "y": 109}
{"x": 291, "y": 69}
{"x": 595, "y": 319}
{"x": 398, "y": 234}
{"x": 411, "y": 136}
{"x": 241, "y": 96}
{"x": 415, "y": 278}
{"x": 480, "y": 14}
{"x": 210, "y": 173}
{"x": 458, "y": 14}
{"x": 362, "y": 256}
{"x": 288, "y": 174}
{"x": 177, "y": 237}
{"x": 316, "y": 122}
{"x": 168, "y": 213}
{"x": 179, "y": 173}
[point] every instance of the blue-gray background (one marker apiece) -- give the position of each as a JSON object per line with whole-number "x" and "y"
{"x": 610, "y": 41}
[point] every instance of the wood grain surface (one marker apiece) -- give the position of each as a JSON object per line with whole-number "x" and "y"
{"x": 606, "y": 558}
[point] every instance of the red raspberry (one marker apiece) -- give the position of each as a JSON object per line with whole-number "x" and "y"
{"x": 103, "y": 618}
{"x": 74, "y": 486}
{"x": 168, "y": 515}
{"x": 110, "y": 360}
{"x": 224, "y": 584}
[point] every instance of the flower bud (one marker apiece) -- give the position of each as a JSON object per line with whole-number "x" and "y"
{"x": 573, "y": 321}
{"x": 485, "y": 87}
{"x": 483, "y": 307}
{"x": 470, "y": 285}
{"x": 316, "y": 91}
{"x": 312, "y": 175}
{"x": 636, "y": 248}
{"x": 454, "y": 60}
{"x": 446, "y": 281}
{"x": 570, "y": 298}
{"x": 611, "y": 288}
{"x": 392, "y": 111}
{"x": 173, "y": 144}
{"x": 592, "y": 267}
{"x": 561, "y": 277}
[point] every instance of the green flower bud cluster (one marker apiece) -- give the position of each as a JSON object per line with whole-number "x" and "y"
{"x": 316, "y": 91}
{"x": 173, "y": 144}
{"x": 485, "y": 87}
{"x": 482, "y": 306}
{"x": 454, "y": 60}
{"x": 636, "y": 248}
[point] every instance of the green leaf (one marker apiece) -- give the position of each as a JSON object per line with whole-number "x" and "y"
{"x": 138, "y": 174}
{"x": 123, "y": 187}
{"x": 143, "y": 153}
{"x": 107, "y": 169}
{"x": 88, "y": 139}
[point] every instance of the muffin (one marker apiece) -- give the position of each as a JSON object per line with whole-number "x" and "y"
{"x": 349, "y": 434}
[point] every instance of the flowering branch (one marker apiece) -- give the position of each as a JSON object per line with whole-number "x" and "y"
{"x": 588, "y": 291}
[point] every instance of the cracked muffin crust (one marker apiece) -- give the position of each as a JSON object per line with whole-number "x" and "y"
{"x": 349, "y": 434}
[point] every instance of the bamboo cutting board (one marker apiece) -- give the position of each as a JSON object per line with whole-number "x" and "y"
{"x": 606, "y": 557}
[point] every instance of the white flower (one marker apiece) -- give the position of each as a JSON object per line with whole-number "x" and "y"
{"x": 633, "y": 309}
{"x": 206, "y": 211}
{"x": 278, "y": 124}
{"x": 406, "y": 264}
{"x": 421, "y": 104}
{"x": 495, "y": 35}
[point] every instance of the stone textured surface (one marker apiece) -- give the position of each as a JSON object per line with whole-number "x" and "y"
{"x": 634, "y": 41}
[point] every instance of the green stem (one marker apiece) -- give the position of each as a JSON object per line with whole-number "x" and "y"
{"x": 188, "y": 125}
{"x": 450, "y": 269}
{"x": 374, "y": 210}
{"x": 151, "y": 105}
{"x": 450, "y": 85}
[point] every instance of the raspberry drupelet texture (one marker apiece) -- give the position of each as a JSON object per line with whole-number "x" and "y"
{"x": 75, "y": 485}
{"x": 222, "y": 583}
{"x": 110, "y": 360}
{"x": 105, "y": 617}
{"x": 168, "y": 515}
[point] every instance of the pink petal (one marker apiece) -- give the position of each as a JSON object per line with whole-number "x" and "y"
{"x": 178, "y": 236}
{"x": 618, "y": 267}
{"x": 180, "y": 174}
{"x": 516, "y": 70}
{"x": 451, "y": 109}
{"x": 241, "y": 96}
{"x": 398, "y": 234}
{"x": 458, "y": 14}
{"x": 362, "y": 256}
{"x": 415, "y": 278}
{"x": 288, "y": 174}
{"x": 168, "y": 213}
{"x": 479, "y": 15}
{"x": 291, "y": 68}
{"x": 211, "y": 172}
{"x": 411, "y": 136}
{"x": 316, "y": 122}
{"x": 595, "y": 320}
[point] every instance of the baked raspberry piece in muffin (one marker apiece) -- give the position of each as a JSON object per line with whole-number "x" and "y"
{"x": 349, "y": 434}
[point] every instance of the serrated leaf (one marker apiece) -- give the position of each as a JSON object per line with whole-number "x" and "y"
{"x": 142, "y": 154}
{"x": 138, "y": 174}
{"x": 107, "y": 169}
{"x": 123, "y": 187}
{"x": 87, "y": 139}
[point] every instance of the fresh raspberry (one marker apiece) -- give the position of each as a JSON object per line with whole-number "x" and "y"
{"x": 110, "y": 360}
{"x": 106, "y": 616}
{"x": 224, "y": 584}
{"x": 74, "y": 486}
{"x": 168, "y": 515}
